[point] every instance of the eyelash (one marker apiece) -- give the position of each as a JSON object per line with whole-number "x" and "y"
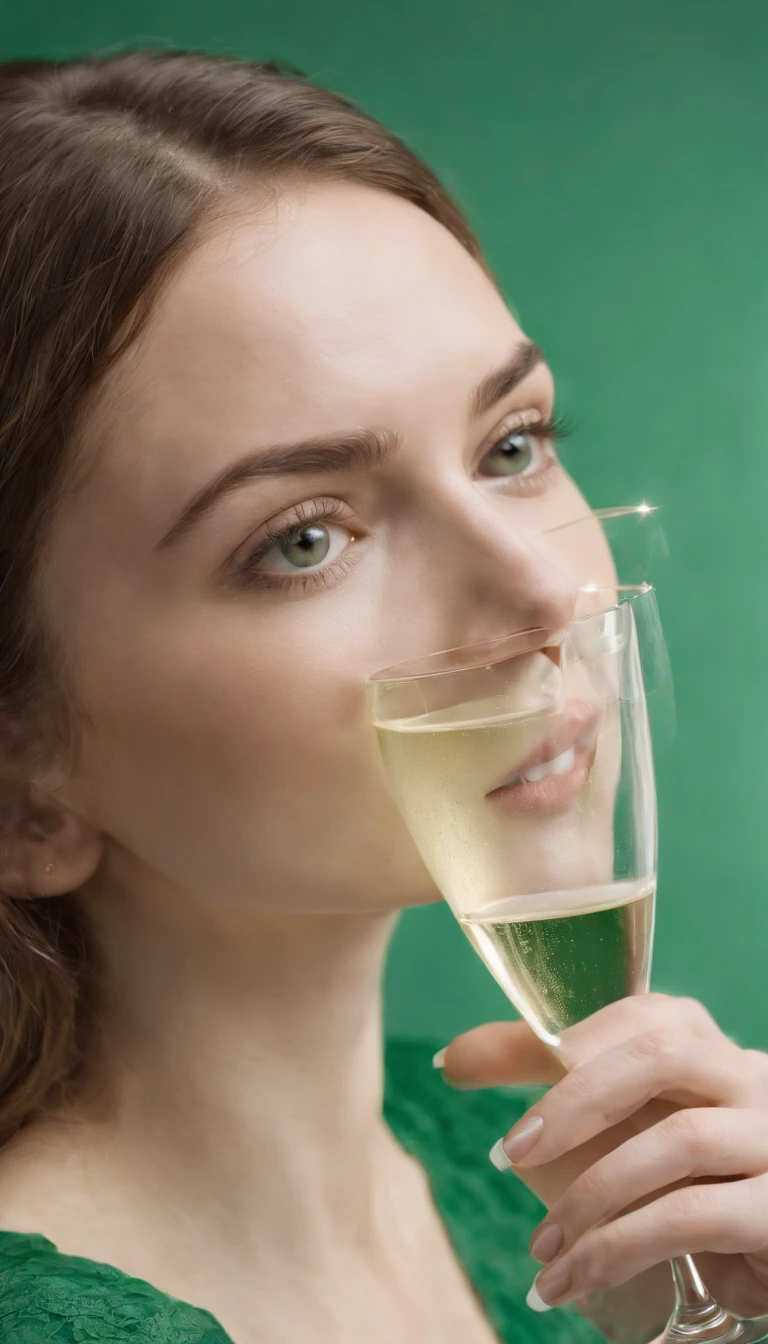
{"x": 329, "y": 510}
{"x": 551, "y": 431}
{"x": 312, "y": 511}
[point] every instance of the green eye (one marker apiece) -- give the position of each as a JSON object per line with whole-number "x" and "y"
{"x": 306, "y": 546}
{"x": 510, "y": 456}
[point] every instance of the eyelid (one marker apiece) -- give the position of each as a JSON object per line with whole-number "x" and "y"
{"x": 546, "y": 430}
{"x": 527, "y": 418}
{"x": 243, "y": 565}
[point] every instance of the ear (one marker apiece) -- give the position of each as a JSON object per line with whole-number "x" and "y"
{"x": 46, "y": 849}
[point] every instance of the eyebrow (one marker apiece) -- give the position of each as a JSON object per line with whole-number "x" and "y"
{"x": 343, "y": 451}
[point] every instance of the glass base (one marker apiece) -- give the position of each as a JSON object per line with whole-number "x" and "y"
{"x": 714, "y": 1325}
{"x": 699, "y": 1319}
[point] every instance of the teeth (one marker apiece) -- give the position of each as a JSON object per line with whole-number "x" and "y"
{"x": 561, "y": 765}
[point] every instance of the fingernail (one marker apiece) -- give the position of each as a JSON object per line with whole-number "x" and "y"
{"x": 534, "y": 1301}
{"x": 522, "y": 1138}
{"x": 438, "y": 1060}
{"x": 547, "y": 1242}
{"x": 498, "y": 1157}
{"x": 553, "y": 1283}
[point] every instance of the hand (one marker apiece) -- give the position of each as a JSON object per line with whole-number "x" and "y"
{"x": 655, "y": 1143}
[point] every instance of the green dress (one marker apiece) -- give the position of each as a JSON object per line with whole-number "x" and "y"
{"x": 49, "y": 1298}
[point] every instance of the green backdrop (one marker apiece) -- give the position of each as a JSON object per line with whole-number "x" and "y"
{"x": 612, "y": 154}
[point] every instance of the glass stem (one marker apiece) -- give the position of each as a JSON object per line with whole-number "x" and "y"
{"x": 697, "y": 1316}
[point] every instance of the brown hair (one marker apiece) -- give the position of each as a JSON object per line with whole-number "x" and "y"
{"x": 109, "y": 169}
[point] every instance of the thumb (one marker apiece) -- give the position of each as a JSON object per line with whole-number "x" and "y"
{"x": 500, "y": 1054}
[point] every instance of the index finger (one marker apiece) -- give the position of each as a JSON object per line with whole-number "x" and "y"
{"x": 500, "y": 1054}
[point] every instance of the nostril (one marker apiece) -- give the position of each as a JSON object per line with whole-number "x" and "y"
{"x": 552, "y": 603}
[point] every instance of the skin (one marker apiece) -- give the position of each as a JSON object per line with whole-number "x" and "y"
{"x": 652, "y": 1145}
{"x": 228, "y": 826}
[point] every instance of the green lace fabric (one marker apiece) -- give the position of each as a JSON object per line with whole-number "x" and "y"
{"x": 49, "y": 1298}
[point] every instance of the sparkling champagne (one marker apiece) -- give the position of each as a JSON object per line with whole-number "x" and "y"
{"x": 561, "y": 956}
{"x": 534, "y": 810}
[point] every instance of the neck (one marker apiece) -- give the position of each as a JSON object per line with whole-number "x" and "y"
{"x": 240, "y": 1059}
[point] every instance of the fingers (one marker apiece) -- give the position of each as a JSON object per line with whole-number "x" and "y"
{"x": 508, "y": 1053}
{"x": 503, "y": 1054}
{"x": 612, "y": 1086}
{"x": 728, "y": 1219}
{"x": 685, "y": 1146}
{"x": 630, "y": 1017}
{"x": 500, "y": 1054}
{"x": 619, "y": 1021}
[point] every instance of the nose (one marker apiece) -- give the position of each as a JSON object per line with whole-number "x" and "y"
{"x": 491, "y": 577}
{"x": 508, "y": 577}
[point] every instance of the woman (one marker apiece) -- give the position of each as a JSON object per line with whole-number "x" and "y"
{"x": 267, "y": 425}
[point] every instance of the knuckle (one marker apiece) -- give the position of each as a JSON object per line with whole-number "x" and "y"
{"x": 581, "y": 1082}
{"x": 593, "y": 1193}
{"x": 691, "y": 1130}
{"x": 595, "y": 1256}
{"x": 584, "y": 1201}
{"x": 728, "y": 1219}
{"x": 660, "y": 1044}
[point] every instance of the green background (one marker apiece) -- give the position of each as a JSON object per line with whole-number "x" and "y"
{"x": 612, "y": 154}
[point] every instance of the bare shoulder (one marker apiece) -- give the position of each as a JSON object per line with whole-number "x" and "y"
{"x": 59, "y": 1258}
{"x": 41, "y": 1183}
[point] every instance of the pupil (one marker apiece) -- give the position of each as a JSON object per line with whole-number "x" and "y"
{"x": 307, "y": 546}
{"x": 511, "y": 456}
{"x": 513, "y": 446}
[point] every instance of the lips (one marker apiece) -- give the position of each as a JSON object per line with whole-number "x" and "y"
{"x": 557, "y": 769}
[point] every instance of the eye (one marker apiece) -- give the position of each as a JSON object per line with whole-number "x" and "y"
{"x": 309, "y": 547}
{"x": 516, "y": 453}
{"x": 306, "y": 547}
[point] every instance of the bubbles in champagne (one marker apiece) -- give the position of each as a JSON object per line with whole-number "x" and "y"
{"x": 568, "y": 955}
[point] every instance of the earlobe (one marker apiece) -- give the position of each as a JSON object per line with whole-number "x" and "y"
{"x": 45, "y": 848}
{"x": 65, "y": 852}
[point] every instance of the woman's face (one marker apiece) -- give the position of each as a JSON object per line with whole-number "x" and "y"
{"x": 325, "y": 454}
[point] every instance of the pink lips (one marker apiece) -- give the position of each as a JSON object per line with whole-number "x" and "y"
{"x": 560, "y": 764}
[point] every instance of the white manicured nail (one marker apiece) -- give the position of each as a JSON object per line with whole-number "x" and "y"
{"x": 438, "y": 1060}
{"x": 498, "y": 1157}
{"x": 534, "y": 1301}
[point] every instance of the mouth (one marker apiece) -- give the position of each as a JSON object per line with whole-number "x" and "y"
{"x": 557, "y": 769}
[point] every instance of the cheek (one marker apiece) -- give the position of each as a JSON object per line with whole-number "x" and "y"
{"x": 211, "y": 687}
{"x": 224, "y": 763}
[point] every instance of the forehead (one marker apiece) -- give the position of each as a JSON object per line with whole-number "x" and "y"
{"x": 312, "y": 311}
{"x": 311, "y": 296}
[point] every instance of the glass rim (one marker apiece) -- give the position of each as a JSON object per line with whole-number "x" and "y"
{"x": 643, "y": 510}
{"x": 485, "y": 653}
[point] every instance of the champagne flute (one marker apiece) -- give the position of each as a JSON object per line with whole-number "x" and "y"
{"x": 524, "y": 770}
